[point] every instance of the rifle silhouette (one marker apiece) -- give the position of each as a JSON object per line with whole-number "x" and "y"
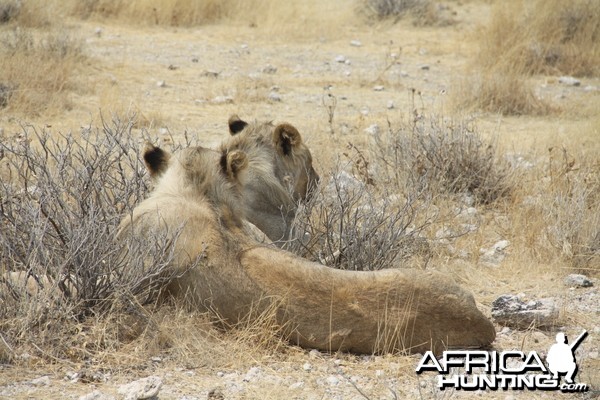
{"x": 578, "y": 341}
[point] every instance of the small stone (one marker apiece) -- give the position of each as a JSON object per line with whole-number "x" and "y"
{"x": 379, "y": 373}
{"x": 215, "y": 394}
{"x": 372, "y": 130}
{"x": 195, "y": 60}
{"x": 569, "y": 81}
{"x": 378, "y": 88}
{"x": 332, "y": 380}
{"x": 98, "y": 31}
{"x": 348, "y": 62}
{"x": 355, "y": 43}
{"x": 222, "y": 100}
{"x": 244, "y": 46}
{"x": 274, "y": 96}
{"x": 509, "y": 310}
{"x": 578, "y": 280}
{"x": 391, "y": 105}
{"x": 403, "y": 74}
{"x": 161, "y": 84}
{"x": 141, "y": 389}
{"x": 314, "y": 353}
{"x": 297, "y": 385}
{"x": 96, "y": 395}
{"x": 307, "y": 367}
{"x": 590, "y": 88}
{"x": 269, "y": 69}
{"x": 41, "y": 381}
{"x": 162, "y": 131}
{"x": 251, "y": 374}
{"x": 340, "y": 59}
{"x": 505, "y": 330}
{"x": 425, "y": 67}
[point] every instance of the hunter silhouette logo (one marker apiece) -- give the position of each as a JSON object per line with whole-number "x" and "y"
{"x": 561, "y": 357}
{"x": 506, "y": 370}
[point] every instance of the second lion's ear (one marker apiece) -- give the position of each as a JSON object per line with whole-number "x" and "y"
{"x": 286, "y": 137}
{"x": 236, "y": 125}
{"x": 156, "y": 160}
{"x": 233, "y": 162}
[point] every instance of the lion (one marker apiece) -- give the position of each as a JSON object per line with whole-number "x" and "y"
{"x": 199, "y": 194}
{"x": 280, "y": 174}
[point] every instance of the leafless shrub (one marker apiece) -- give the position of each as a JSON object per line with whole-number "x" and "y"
{"x": 571, "y": 209}
{"x": 61, "y": 199}
{"x": 395, "y": 8}
{"x": 442, "y": 155}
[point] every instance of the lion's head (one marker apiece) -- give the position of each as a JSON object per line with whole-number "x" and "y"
{"x": 279, "y": 175}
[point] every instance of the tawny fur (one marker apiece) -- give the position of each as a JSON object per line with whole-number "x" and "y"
{"x": 279, "y": 174}
{"x": 318, "y": 307}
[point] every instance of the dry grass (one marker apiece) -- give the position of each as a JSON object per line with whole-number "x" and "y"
{"x": 38, "y": 70}
{"x": 525, "y": 38}
{"x": 549, "y": 37}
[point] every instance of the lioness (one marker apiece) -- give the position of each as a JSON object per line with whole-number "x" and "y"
{"x": 280, "y": 173}
{"x": 198, "y": 194}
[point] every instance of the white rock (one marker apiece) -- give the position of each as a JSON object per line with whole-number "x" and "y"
{"x": 297, "y": 385}
{"x": 222, "y": 100}
{"x": 274, "y": 96}
{"x": 569, "y": 81}
{"x": 379, "y": 373}
{"x": 578, "y": 280}
{"x": 390, "y": 105}
{"x": 340, "y": 59}
{"x": 378, "y": 88}
{"x": 372, "y": 130}
{"x": 141, "y": 389}
{"x": 355, "y": 43}
{"x": 96, "y": 395}
{"x": 41, "y": 381}
{"x": 307, "y": 367}
{"x": 332, "y": 380}
{"x": 501, "y": 245}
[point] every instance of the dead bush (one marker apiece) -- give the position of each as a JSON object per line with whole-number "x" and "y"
{"x": 61, "y": 200}
{"x": 570, "y": 209}
{"x": 442, "y": 155}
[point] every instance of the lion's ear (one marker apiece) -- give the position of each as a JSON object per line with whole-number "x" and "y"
{"x": 286, "y": 137}
{"x": 236, "y": 125}
{"x": 156, "y": 160}
{"x": 233, "y": 162}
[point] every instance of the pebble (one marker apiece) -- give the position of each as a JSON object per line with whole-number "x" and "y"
{"x": 390, "y": 105}
{"x": 569, "y": 81}
{"x": 41, "y": 381}
{"x": 222, "y": 100}
{"x": 96, "y": 395}
{"x": 578, "y": 280}
{"x": 161, "y": 84}
{"x": 297, "y": 385}
{"x": 378, "y": 88}
{"x": 355, "y": 43}
{"x": 307, "y": 367}
{"x": 145, "y": 388}
{"x": 269, "y": 69}
{"x": 332, "y": 380}
{"x": 274, "y": 96}
{"x": 340, "y": 59}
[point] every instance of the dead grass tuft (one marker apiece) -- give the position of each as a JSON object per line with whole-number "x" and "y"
{"x": 525, "y": 38}
{"x": 37, "y": 71}
{"x": 549, "y": 37}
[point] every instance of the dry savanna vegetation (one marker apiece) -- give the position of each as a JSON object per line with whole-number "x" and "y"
{"x": 438, "y": 129}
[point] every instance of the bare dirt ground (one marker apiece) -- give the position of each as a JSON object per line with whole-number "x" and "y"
{"x": 190, "y": 80}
